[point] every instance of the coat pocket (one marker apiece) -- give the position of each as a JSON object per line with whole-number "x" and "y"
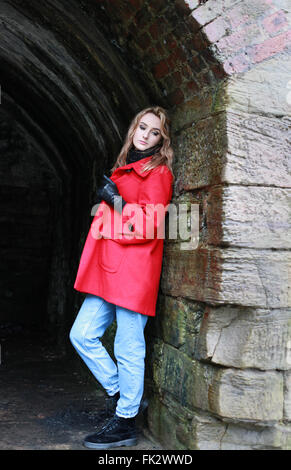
{"x": 111, "y": 255}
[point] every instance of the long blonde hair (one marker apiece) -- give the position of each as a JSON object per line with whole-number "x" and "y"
{"x": 164, "y": 156}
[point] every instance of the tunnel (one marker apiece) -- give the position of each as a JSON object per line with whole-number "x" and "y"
{"x": 67, "y": 97}
{"x": 73, "y": 75}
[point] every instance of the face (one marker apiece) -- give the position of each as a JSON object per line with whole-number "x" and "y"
{"x": 148, "y": 132}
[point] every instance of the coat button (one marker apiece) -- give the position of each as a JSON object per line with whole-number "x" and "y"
{"x": 131, "y": 227}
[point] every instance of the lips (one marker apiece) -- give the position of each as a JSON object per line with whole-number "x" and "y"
{"x": 142, "y": 142}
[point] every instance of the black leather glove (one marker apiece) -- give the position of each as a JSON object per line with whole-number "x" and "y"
{"x": 110, "y": 194}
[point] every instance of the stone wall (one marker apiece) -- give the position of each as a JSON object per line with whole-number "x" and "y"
{"x": 221, "y": 349}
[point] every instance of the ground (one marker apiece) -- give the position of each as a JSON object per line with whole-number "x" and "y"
{"x": 46, "y": 403}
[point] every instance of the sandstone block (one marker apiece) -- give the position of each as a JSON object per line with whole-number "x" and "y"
{"x": 258, "y": 152}
{"x": 199, "y": 107}
{"x": 199, "y": 430}
{"x": 272, "y": 437}
{"x": 243, "y": 395}
{"x": 246, "y": 337}
{"x": 259, "y": 278}
{"x": 287, "y": 392}
{"x": 263, "y": 89}
{"x": 210, "y": 433}
{"x": 178, "y": 323}
{"x": 251, "y": 216}
{"x": 235, "y": 148}
{"x": 163, "y": 424}
{"x": 181, "y": 429}
{"x": 199, "y": 154}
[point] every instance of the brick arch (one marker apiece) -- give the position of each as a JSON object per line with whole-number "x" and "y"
{"x": 167, "y": 43}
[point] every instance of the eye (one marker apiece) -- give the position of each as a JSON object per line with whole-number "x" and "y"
{"x": 155, "y": 133}
{"x": 141, "y": 127}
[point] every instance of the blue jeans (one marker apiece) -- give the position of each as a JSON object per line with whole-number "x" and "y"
{"x": 127, "y": 377}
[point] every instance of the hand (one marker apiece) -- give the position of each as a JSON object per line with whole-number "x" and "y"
{"x": 109, "y": 193}
{"x": 100, "y": 193}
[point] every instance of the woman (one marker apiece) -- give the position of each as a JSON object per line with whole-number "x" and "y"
{"x": 120, "y": 270}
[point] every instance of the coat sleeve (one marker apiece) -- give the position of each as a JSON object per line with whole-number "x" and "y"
{"x": 143, "y": 221}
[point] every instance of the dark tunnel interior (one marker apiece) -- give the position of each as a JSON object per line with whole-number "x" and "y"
{"x": 68, "y": 92}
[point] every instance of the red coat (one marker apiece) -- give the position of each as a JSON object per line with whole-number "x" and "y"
{"x": 119, "y": 262}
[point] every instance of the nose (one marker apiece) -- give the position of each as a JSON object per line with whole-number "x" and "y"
{"x": 145, "y": 134}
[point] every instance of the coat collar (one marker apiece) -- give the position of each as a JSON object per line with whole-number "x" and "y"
{"x": 136, "y": 166}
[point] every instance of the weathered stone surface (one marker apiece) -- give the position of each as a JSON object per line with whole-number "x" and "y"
{"x": 197, "y": 108}
{"x": 207, "y": 13}
{"x": 259, "y": 278}
{"x": 248, "y": 277}
{"x": 199, "y": 153}
{"x": 287, "y": 390}
{"x": 230, "y": 393}
{"x": 251, "y": 216}
{"x": 199, "y": 430}
{"x": 178, "y": 323}
{"x": 258, "y": 151}
{"x": 243, "y": 216}
{"x": 240, "y": 394}
{"x": 262, "y": 90}
{"x": 194, "y": 274}
{"x": 165, "y": 423}
{"x": 179, "y": 428}
{"x": 206, "y": 431}
{"x": 246, "y": 337}
{"x": 212, "y": 9}
{"x": 267, "y": 438}
{"x": 173, "y": 372}
{"x": 235, "y": 148}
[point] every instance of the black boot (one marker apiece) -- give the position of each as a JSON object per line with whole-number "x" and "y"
{"x": 110, "y": 407}
{"x": 117, "y": 432}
